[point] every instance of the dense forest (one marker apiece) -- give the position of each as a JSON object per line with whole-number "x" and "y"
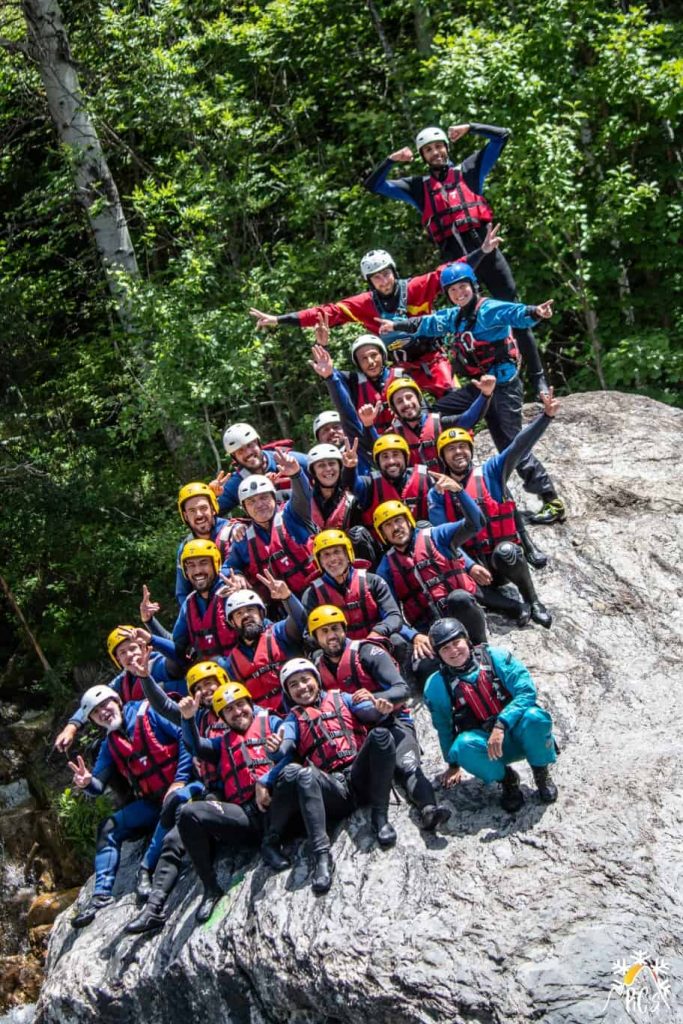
{"x": 227, "y": 147}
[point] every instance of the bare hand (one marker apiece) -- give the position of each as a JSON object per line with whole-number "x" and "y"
{"x": 495, "y": 743}
{"x": 485, "y": 384}
{"x": 321, "y": 362}
{"x": 368, "y": 413}
{"x": 66, "y": 737}
{"x": 386, "y": 326}
{"x": 235, "y": 581}
{"x": 82, "y": 777}
{"x": 360, "y": 695}
{"x": 172, "y": 789}
{"x": 402, "y": 156}
{"x": 550, "y": 403}
{"x": 279, "y": 591}
{"x": 492, "y": 240}
{"x": 262, "y": 797}
{"x": 384, "y": 706}
{"x": 451, "y": 777}
{"x": 350, "y": 455}
{"x": 148, "y": 607}
{"x": 188, "y": 707}
{"x": 139, "y": 665}
{"x": 443, "y": 483}
{"x": 480, "y": 575}
{"x": 238, "y": 532}
{"x": 456, "y": 131}
{"x": 322, "y": 330}
{"x": 545, "y": 309}
{"x": 422, "y": 647}
{"x": 218, "y": 483}
{"x": 286, "y": 462}
{"x": 263, "y": 319}
{"x": 273, "y": 742}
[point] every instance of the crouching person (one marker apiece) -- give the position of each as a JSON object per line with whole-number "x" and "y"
{"x": 483, "y": 706}
{"x": 147, "y": 752}
{"x": 245, "y": 772}
{"x": 340, "y": 766}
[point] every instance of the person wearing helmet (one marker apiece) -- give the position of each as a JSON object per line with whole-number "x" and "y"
{"x": 364, "y": 597}
{"x": 430, "y": 576}
{"x": 365, "y": 670}
{"x": 388, "y": 296}
{"x": 124, "y": 644}
{"x": 483, "y": 704}
{"x": 276, "y": 539}
{"x": 393, "y": 478}
{"x": 147, "y": 752}
{"x": 332, "y": 505}
{"x": 198, "y": 509}
{"x": 340, "y": 767}
{"x": 483, "y": 343}
{"x": 500, "y": 547}
{"x": 246, "y": 775}
{"x": 263, "y": 646}
{"x": 327, "y": 428}
{"x": 243, "y": 444}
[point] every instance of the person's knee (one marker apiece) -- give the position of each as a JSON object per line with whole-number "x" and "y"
{"x": 306, "y": 779}
{"x": 381, "y": 739}
{"x": 506, "y": 555}
{"x": 288, "y": 776}
{"x": 537, "y": 719}
{"x": 106, "y": 833}
{"x": 188, "y": 818}
{"x": 460, "y": 600}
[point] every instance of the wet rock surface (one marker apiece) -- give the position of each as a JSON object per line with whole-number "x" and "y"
{"x": 497, "y": 919}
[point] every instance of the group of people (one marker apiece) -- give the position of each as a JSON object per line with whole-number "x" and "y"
{"x": 319, "y": 592}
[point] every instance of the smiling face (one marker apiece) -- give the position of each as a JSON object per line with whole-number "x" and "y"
{"x": 456, "y": 652}
{"x": 331, "y": 639}
{"x": 260, "y": 508}
{"x": 303, "y": 688}
{"x": 199, "y": 516}
{"x": 384, "y": 281}
{"x": 460, "y": 293}
{"x": 458, "y": 457}
{"x": 406, "y": 404}
{"x": 392, "y": 464}
{"x": 397, "y": 531}
{"x": 334, "y": 561}
{"x": 250, "y": 456}
{"x": 435, "y": 154}
{"x": 107, "y": 715}
{"x": 127, "y": 652}
{"x": 327, "y": 472}
{"x": 331, "y": 433}
{"x": 239, "y": 715}
{"x": 370, "y": 359}
{"x": 205, "y": 689}
{"x": 200, "y": 572}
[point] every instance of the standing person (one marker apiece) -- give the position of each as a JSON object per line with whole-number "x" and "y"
{"x": 483, "y": 343}
{"x": 484, "y": 708}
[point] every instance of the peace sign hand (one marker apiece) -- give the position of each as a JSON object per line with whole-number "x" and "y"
{"x": 279, "y": 591}
{"x": 492, "y": 240}
{"x": 218, "y": 483}
{"x": 82, "y": 777}
{"x": 350, "y": 455}
{"x": 286, "y": 462}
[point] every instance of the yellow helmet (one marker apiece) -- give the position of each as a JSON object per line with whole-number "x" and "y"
{"x": 324, "y": 615}
{"x": 452, "y": 435}
{"x": 196, "y": 490}
{"x": 227, "y": 694}
{"x": 390, "y": 510}
{"x": 391, "y": 443}
{"x": 205, "y": 670}
{"x": 116, "y": 637}
{"x": 403, "y": 382}
{"x": 200, "y": 549}
{"x": 331, "y": 539}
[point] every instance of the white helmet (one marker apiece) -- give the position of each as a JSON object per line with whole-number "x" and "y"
{"x": 237, "y": 435}
{"x": 294, "y": 665}
{"x": 255, "y": 484}
{"x": 95, "y": 696}
{"x": 368, "y": 339}
{"x": 324, "y": 419}
{"x": 376, "y": 260}
{"x": 323, "y": 451}
{"x": 243, "y": 599}
{"x": 430, "y": 135}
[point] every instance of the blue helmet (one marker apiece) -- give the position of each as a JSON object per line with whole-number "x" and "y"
{"x": 455, "y": 272}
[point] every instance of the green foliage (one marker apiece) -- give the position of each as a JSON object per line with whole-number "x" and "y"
{"x": 79, "y": 817}
{"x": 239, "y": 139}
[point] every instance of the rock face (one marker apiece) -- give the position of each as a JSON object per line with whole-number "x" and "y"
{"x": 498, "y": 918}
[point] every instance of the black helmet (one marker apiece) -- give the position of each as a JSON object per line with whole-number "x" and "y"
{"x": 443, "y": 631}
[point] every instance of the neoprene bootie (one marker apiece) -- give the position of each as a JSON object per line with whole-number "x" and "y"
{"x": 151, "y": 918}
{"x": 91, "y": 908}
{"x": 541, "y": 615}
{"x": 212, "y": 895}
{"x": 143, "y": 884}
{"x": 322, "y": 872}
{"x": 271, "y": 851}
{"x": 386, "y": 833}
{"x": 433, "y": 815}
{"x": 512, "y": 797}
{"x": 553, "y": 511}
{"x": 547, "y": 790}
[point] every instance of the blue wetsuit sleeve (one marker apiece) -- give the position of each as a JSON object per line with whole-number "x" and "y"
{"x": 498, "y": 468}
{"x": 469, "y": 418}
{"x": 200, "y": 746}
{"x": 476, "y": 167}
{"x": 364, "y": 711}
{"x": 158, "y": 700}
{"x": 452, "y": 535}
{"x": 396, "y": 188}
{"x": 496, "y": 313}
{"x": 293, "y": 628}
{"x": 436, "y": 507}
{"x": 297, "y": 511}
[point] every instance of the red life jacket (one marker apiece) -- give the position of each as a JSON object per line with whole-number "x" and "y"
{"x": 261, "y": 673}
{"x": 210, "y": 727}
{"x": 339, "y": 518}
{"x": 500, "y": 517}
{"x": 210, "y": 634}
{"x": 348, "y": 674}
{"x": 424, "y": 578}
{"x": 487, "y": 696}
{"x": 244, "y": 760}
{"x": 450, "y": 205}
{"x": 285, "y": 557}
{"x": 356, "y": 601}
{"x": 413, "y": 494}
{"x": 423, "y": 444}
{"x": 476, "y": 356}
{"x": 149, "y": 765}
{"x": 328, "y": 733}
{"x": 131, "y": 688}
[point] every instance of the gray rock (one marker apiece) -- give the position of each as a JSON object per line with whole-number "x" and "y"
{"x": 15, "y": 794}
{"x": 498, "y": 919}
